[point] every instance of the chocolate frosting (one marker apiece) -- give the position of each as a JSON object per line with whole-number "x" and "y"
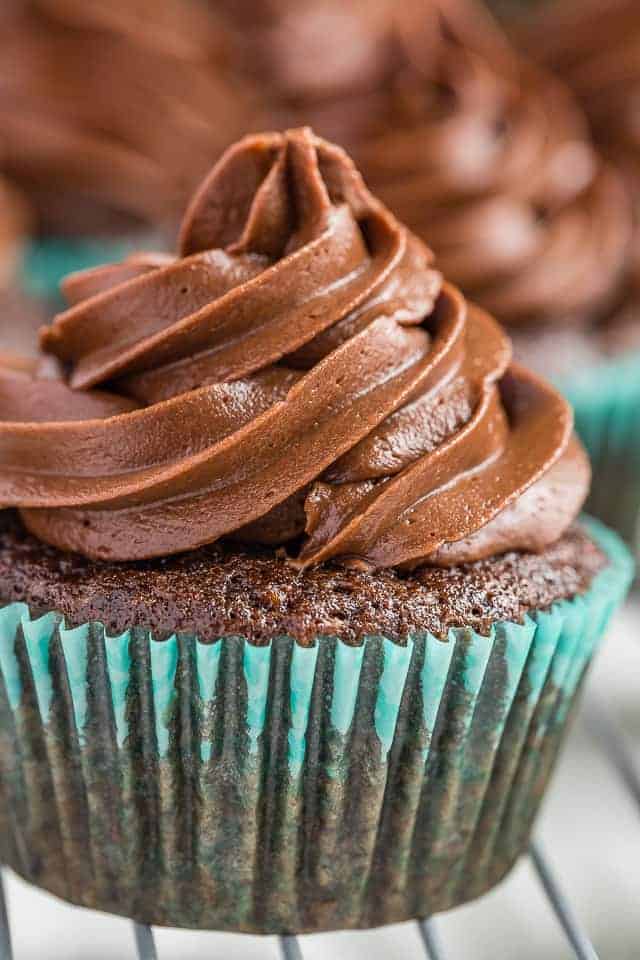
{"x": 484, "y": 156}
{"x": 114, "y": 111}
{"x": 308, "y": 52}
{"x": 595, "y": 46}
{"x": 298, "y": 375}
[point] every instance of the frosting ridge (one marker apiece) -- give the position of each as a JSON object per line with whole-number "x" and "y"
{"x": 298, "y": 375}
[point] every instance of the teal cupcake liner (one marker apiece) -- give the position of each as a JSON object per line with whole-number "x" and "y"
{"x": 607, "y": 408}
{"x": 283, "y": 788}
{"x": 48, "y": 261}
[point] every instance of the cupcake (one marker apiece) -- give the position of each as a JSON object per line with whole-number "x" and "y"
{"x": 297, "y": 606}
{"x": 110, "y": 115}
{"x": 593, "y": 47}
{"x": 485, "y": 156}
{"x": 489, "y": 158}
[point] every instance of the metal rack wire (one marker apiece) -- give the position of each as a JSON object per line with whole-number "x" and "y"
{"x": 610, "y": 738}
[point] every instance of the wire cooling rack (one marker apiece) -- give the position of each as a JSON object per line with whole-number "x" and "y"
{"x": 605, "y": 732}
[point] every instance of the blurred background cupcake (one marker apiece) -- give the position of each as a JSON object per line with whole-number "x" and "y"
{"x": 594, "y": 46}
{"x": 110, "y": 114}
{"x": 489, "y": 157}
{"x": 484, "y": 154}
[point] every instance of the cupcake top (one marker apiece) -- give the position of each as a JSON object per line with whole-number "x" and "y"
{"x": 110, "y": 114}
{"x": 300, "y": 376}
{"x": 486, "y": 157}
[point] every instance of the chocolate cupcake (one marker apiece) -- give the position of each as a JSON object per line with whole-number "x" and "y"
{"x": 593, "y": 47}
{"x": 297, "y": 607}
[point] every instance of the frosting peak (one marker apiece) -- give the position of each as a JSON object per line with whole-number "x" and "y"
{"x": 298, "y": 375}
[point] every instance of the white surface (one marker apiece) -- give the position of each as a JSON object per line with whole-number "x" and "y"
{"x": 589, "y": 830}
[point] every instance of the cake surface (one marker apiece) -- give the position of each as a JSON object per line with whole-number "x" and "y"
{"x": 226, "y": 590}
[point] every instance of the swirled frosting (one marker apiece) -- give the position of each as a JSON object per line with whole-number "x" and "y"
{"x": 595, "y": 47}
{"x": 484, "y": 156}
{"x": 306, "y": 53}
{"x": 298, "y": 375}
{"x": 113, "y": 111}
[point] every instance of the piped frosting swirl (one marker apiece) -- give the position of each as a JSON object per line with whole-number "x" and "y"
{"x": 298, "y": 375}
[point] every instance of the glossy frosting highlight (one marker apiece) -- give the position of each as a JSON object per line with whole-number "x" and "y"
{"x": 298, "y": 375}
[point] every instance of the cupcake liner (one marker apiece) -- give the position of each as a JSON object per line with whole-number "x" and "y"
{"x": 284, "y": 788}
{"x": 607, "y": 409}
{"x": 48, "y": 261}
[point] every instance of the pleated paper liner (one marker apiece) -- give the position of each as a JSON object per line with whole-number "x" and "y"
{"x": 607, "y": 408}
{"x": 283, "y": 788}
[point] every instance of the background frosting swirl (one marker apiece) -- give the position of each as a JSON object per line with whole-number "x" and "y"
{"x": 299, "y": 375}
{"x": 595, "y": 47}
{"x": 111, "y": 113}
{"x": 485, "y": 156}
